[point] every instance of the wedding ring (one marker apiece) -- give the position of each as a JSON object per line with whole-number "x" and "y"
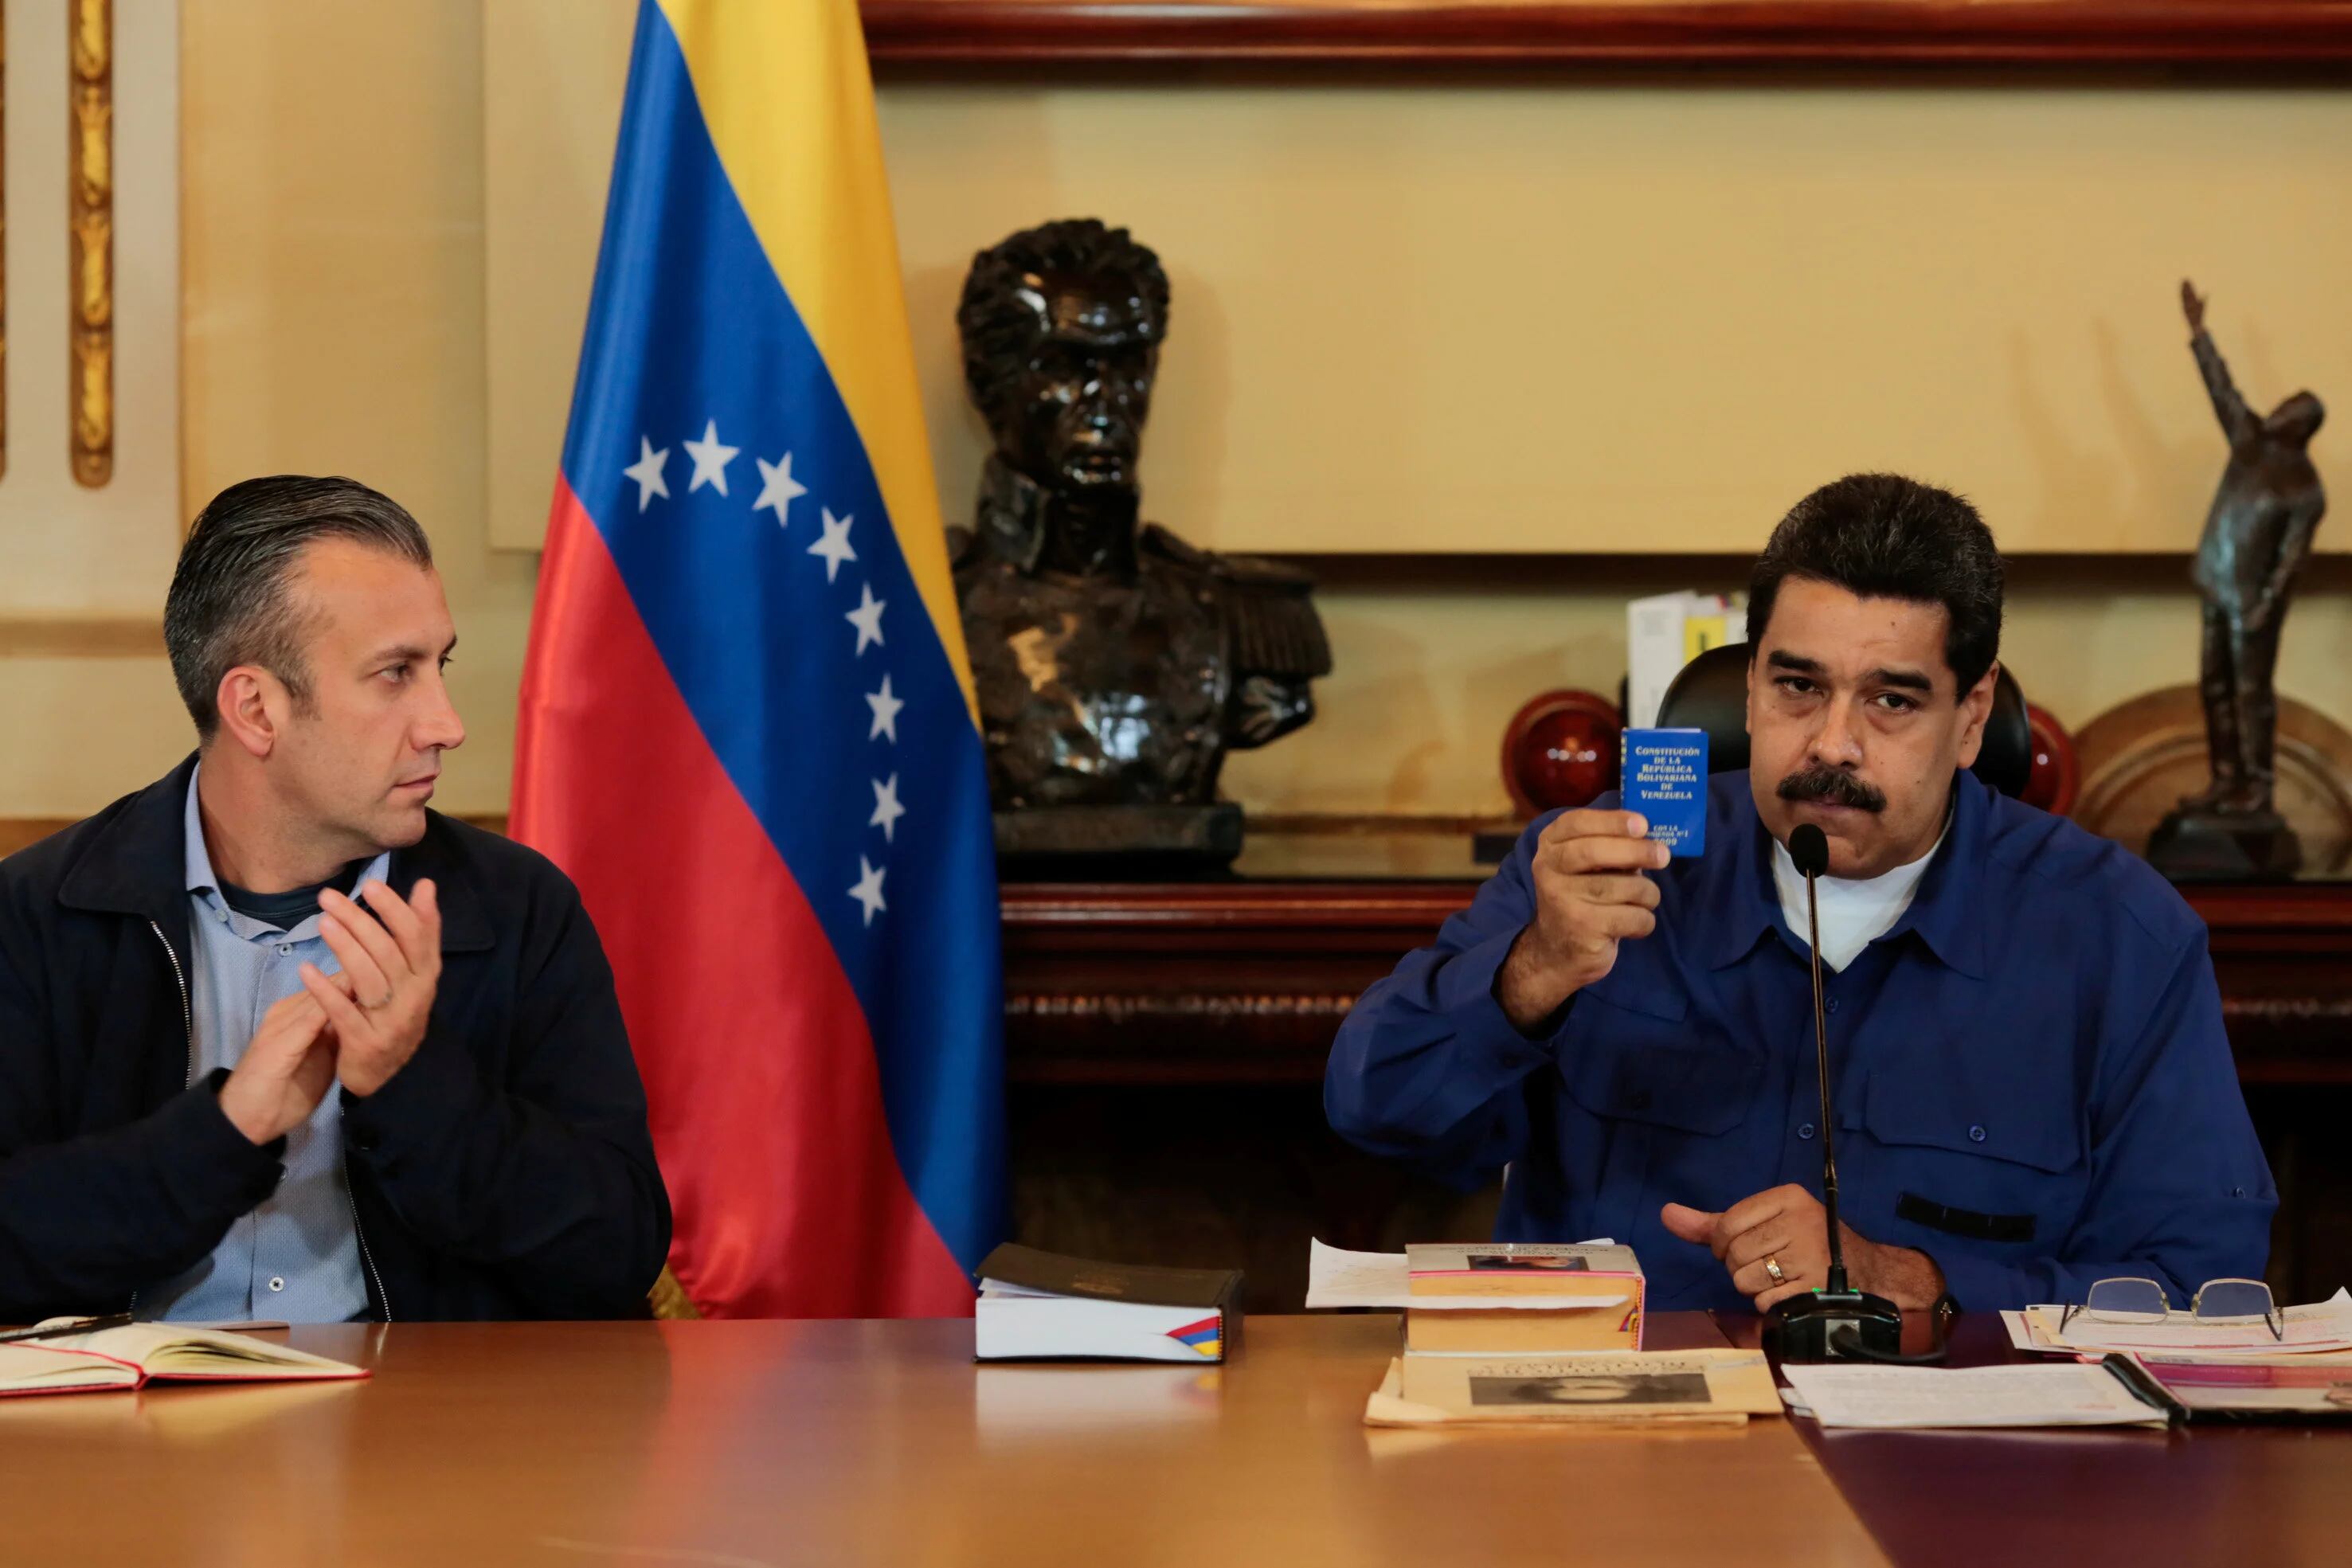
{"x": 1773, "y": 1267}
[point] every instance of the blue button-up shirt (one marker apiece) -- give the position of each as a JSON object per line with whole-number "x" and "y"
{"x": 295, "y": 1256}
{"x": 2030, "y": 1077}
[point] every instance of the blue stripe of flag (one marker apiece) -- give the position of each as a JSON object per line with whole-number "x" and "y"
{"x": 689, "y": 327}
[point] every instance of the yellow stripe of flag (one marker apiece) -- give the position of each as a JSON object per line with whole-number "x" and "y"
{"x": 784, "y": 89}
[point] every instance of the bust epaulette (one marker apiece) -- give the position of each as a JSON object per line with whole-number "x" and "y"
{"x": 1275, "y": 629}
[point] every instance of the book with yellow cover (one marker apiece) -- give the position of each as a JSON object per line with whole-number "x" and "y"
{"x": 1610, "y": 1325}
{"x": 134, "y": 1354}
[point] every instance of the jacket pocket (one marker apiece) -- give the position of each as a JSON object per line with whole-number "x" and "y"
{"x": 1663, "y": 1097}
{"x": 1657, "y": 1077}
{"x": 2019, "y": 1124}
{"x": 1998, "y": 1168}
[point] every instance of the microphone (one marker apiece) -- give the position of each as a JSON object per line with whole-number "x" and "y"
{"x": 1836, "y": 1322}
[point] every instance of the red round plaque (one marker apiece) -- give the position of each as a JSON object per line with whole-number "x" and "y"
{"x": 2056, "y": 774}
{"x": 1560, "y": 749}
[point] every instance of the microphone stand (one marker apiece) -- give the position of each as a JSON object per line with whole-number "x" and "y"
{"x": 1836, "y": 1322}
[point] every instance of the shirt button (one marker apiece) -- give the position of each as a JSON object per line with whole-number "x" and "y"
{"x": 276, "y": 1282}
{"x": 284, "y": 948}
{"x": 1831, "y": 1006}
{"x": 1806, "y": 1131}
{"x": 1976, "y": 1134}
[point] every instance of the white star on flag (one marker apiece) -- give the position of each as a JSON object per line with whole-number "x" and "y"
{"x": 835, "y": 546}
{"x": 866, "y": 618}
{"x": 868, "y": 891}
{"x": 647, "y": 471}
{"x": 885, "y": 711}
{"x": 710, "y": 459}
{"x": 778, "y": 489}
{"x": 886, "y": 809}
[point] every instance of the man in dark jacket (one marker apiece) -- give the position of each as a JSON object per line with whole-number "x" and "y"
{"x": 275, "y": 1041}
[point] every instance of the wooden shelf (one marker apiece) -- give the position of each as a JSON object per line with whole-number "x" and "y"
{"x": 1246, "y": 981}
{"x": 2269, "y": 34}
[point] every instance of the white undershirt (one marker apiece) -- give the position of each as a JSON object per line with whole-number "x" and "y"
{"x": 1854, "y": 913}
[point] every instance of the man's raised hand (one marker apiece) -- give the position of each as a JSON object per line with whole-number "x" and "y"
{"x": 391, "y": 968}
{"x": 286, "y": 1071}
{"x": 1591, "y": 893}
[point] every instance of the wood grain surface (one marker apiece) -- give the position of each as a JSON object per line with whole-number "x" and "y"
{"x": 848, "y": 1442}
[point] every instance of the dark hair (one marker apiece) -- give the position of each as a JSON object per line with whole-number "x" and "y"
{"x": 999, "y": 322}
{"x": 229, "y": 604}
{"x": 1881, "y": 536}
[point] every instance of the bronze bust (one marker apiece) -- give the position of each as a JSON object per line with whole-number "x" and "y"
{"x": 1116, "y": 664}
{"x": 2257, "y": 536}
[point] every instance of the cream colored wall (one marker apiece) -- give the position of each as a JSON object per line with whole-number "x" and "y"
{"x": 1484, "y": 313}
{"x": 67, "y": 552}
{"x": 331, "y": 250}
{"x": 335, "y": 271}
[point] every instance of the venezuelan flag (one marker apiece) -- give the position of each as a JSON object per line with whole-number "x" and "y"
{"x": 747, "y": 728}
{"x": 1207, "y": 1336}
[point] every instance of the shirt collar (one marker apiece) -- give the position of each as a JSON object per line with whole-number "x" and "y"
{"x": 1743, "y": 904}
{"x": 196, "y": 859}
{"x": 1947, "y": 911}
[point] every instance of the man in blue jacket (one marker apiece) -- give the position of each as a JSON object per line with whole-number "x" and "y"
{"x": 278, "y": 1041}
{"x": 2032, "y": 1085}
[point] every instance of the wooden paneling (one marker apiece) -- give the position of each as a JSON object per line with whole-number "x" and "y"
{"x": 2297, "y": 33}
{"x": 1246, "y": 981}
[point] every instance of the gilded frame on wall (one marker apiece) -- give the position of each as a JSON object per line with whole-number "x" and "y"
{"x": 2301, "y": 34}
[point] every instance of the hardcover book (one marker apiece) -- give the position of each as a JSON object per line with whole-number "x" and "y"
{"x": 1044, "y": 1306}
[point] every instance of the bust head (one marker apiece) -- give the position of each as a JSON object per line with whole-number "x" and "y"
{"x": 2297, "y": 419}
{"x": 1061, "y": 326}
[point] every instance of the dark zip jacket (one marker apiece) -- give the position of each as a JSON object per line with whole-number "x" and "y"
{"x": 505, "y": 1172}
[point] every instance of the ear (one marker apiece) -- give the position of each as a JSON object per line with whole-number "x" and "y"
{"x": 1976, "y": 708}
{"x": 253, "y": 705}
{"x": 1748, "y": 710}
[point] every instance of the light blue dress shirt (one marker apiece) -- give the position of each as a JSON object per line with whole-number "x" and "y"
{"x": 297, "y": 1255}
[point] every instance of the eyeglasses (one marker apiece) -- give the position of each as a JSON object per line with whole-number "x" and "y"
{"x": 2144, "y": 1301}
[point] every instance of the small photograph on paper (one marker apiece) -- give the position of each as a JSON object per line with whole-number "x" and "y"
{"x": 1527, "y": 1263}
{"x": 1593, "y": 1388}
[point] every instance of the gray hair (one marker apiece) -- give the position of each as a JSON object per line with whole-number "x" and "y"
{"x": 230, "y": 603}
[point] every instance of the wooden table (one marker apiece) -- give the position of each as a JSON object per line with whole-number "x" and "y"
{"x": 846, "y": 1443}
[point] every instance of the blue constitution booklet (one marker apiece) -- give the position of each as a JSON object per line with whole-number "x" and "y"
{"x": 1665, "y": 782}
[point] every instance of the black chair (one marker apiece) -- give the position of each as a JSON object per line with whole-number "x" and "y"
{"x": 1711, "y": 694}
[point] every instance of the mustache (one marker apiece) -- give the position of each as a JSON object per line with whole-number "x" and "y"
{"x": 1821, "y": 783}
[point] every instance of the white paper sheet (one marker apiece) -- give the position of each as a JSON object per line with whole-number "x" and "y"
{"x": 2022, "y": 1336}
{"x": 1338, "y": 1277}
{"x": 2062, "y": 1394}
{"x": 2319, "y": 1326}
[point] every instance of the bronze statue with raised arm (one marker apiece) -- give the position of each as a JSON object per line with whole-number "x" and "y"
{"x": 1116, "y": 664}
{"x": 2257, "y": 536}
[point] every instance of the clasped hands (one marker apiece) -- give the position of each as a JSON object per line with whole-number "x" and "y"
{"x": 1787, "y": 1227}
{"x": 358, "y": 1027}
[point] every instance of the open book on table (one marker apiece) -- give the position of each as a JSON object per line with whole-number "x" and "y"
{"x": 133, "y": 1355}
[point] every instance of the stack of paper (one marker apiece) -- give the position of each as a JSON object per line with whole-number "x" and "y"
{"x": 2319, "y": 1328}
{"x": 2072, "y": 1393}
